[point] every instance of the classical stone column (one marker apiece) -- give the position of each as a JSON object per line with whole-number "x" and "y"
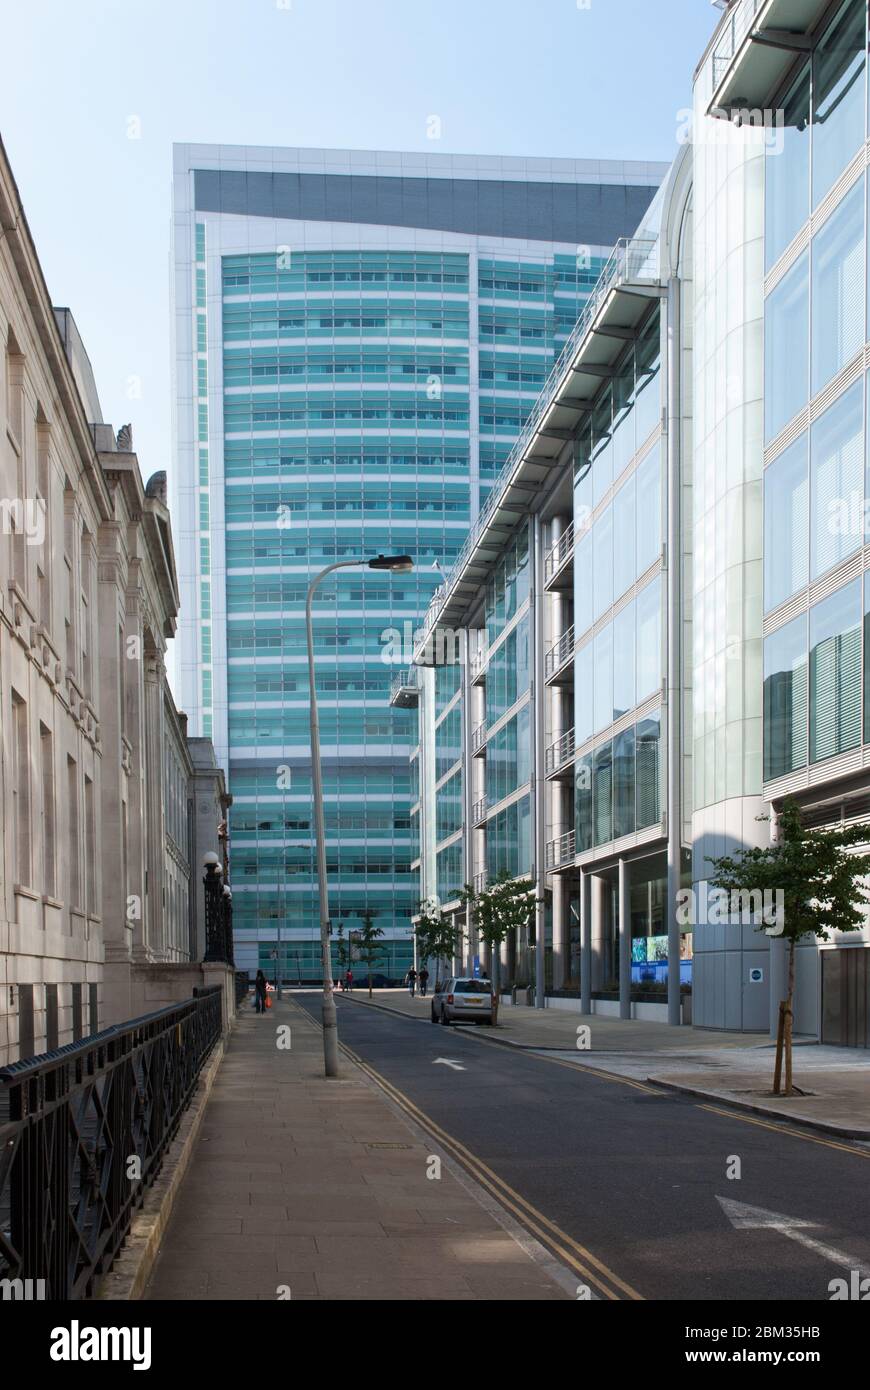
{"x": 155, "y": 675}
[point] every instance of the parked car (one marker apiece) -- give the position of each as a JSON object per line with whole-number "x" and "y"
{"x": 464, "y": 1000}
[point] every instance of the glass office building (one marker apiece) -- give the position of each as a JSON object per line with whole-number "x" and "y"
{"x": 358, "y": 338}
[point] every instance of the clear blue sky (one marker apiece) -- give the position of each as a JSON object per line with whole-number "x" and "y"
{"x": 518, "y": 77}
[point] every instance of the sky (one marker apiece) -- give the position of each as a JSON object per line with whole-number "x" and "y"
{"x": 95, "y": 92}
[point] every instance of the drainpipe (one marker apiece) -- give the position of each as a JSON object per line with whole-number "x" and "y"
{"x": 673, "y": 366}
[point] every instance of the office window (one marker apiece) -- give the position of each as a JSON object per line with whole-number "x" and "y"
{"x": 90, "y": 850}
{"x": 648, "y": 481}
{"x": 835, "y": 673}
{"x": 786, "y": 524}
{"x": 74, "y": 849}
{"x": 786, "y": 348}
{"x": 838, "y": 288}
{"x": 787, "y": 172}
{"x": 602, "y": 542}
{"x": 603, "y": 677}
{"x": 785, "y": 699}
{"x": 649, "y": 639}
{"x": 583, "y": 811}
{"x": 624, "y": 538}
{"x": 583, "y": 568}
{"x": 584, "y": 677}
{"x": 602, "y": 447}
{"x": 20, "y": 791}
{"x": 837, "y": 481}
{"x": 602, "y": 793}
{"x": 48, "y": 814}
{"x": 838, "y": 95}
{"x": 623, "y": 784}
{"x": 648, "y": 772}
{"x": 624, "y": 651}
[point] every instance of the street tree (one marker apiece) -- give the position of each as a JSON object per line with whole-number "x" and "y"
{"x": 505, "y": 906}
{"x": 439, "y": 936}
{"x": 370, "y": 948}
{"x": 814, "y": 877}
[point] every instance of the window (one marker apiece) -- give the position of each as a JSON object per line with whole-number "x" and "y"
{"x": 786, "y": 522}
{"x": 90, "y": 849}
{"x": 583, "y": 816}
{"x": 835, "y": 673}
{"x": 623, "y": 661}
{"x": 838, "y": 96}
{"x": 785, "y": 699}
{"x": 602, "y": 794}
{"x": 583, "y": 688}
{"x": 48, "y": 814}
{"x": 20, "y": 791}
{"x": 787, "y": 173}
{"x": 603, "y": 677}
{"x": 602, "y": 541}
{"x": 649, "y": 510}
{"x": 649, "y": 640}
{"x": 838, "y": 288}
{"x": 583, "y": 567}
{"x": 837, "y": 481}
{"x": 648, "y": 772}
{"x": 786, "y": 348}
{"x": 74, "y": 855}
{"x": 624, "y": 546}
{"x": 623, "y": 783}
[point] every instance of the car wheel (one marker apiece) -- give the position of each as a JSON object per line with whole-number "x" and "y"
{"x": 432, "y": 1015}
{"x": 444, "y": 1019}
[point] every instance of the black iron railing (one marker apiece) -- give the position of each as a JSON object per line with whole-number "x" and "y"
{"x": 83, "y": 1131}
{"x": 243, "y": 986}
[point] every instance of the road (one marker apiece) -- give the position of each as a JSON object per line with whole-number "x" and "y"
{"x": 622, "y": 1181}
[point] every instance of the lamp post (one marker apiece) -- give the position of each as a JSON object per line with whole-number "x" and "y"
{"x": 227, "y": 905}
{"x": 214, "y": 949}
{"x": 396, "y": 564}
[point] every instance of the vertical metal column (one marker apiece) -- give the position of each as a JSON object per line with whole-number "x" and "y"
{"x": 624, "y": 942}
{"x": 585, "y": 942}
{"x": 539, "y": 784}
{"x": 672, "y": 354}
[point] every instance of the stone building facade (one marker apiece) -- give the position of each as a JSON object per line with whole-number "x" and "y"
{"x": 97, "y": 782}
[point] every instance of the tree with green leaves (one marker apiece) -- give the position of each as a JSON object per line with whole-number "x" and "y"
{"x": 439, "y": 936}
{"x": 505, "y": 906}
{"x": 813, "y": 878}
{"x": 342, "y": 952}
{"x": 368, "y": 940}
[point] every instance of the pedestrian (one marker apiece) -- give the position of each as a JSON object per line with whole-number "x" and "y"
{"x": 424, "y": 980}
{"x": 348, "y": 980}
{"x": 260, "y": 992}
{"x": 412, "y": 981}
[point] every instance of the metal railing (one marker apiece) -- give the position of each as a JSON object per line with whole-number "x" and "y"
{"x": 479, "y": 663}
{"x": 243, "y": 986}
{"x": 736, "y": 26}
{"x": 560, "y": 752}
{"x": 560, "y": 851}
{"x": 73, "y": 1121}
{"x": 632, "y": 258}
{"x": 405, "y": 680}
{"x": 478, "y": 736}
{"x": 478, "y": 811}
{"x": 560, "y": 652}
{"x": 559, "y": 553}
{"x": 480, "y": 882}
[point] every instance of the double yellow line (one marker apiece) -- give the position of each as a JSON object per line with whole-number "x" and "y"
{"x": 575, "y": 1256}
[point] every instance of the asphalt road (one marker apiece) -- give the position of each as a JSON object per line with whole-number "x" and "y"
{"x": 633, "y": 1176}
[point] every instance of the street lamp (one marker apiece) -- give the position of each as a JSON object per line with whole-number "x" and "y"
{"x": 213, "y": 915}
{"x": 396, "y": 564}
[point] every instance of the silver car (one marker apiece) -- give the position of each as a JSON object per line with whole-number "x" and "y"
{"x": 463, "y": 1001}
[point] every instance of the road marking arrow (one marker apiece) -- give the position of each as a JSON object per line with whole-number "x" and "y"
{"x": 746, "y": 1218}
{"x": 447, "y": 1062}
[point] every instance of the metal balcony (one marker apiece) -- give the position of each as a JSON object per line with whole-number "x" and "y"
{"x": 561, "y": 852}
{"x": 756, "y": 44}
{"x": 559, "y": 561}
{"x": 560, "y": 755}
{"x": 480, "y": 882}
{"x": 478, "y": 739}
{"x": 478, "y": 811}
{"x": 479, "y": 663}
{"x": 558, "y": 664}
{"x": 404, "y": 691}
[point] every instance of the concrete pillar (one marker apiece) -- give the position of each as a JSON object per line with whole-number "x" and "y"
{"x": 624, "y": 942}
{"x": 585, "y": 942}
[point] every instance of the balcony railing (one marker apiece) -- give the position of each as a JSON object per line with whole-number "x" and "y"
{"x": 479, "y": 663}
{"x": 561, "y": 851}
{"x": 404, "y": 688}
{"x": 70, "y": 1122}
{"x": 633, "y": 259}
{"x": 735, "y": 28}
{"x": 478, "y": 736}
{"x": 480, "y": 882}
{"x": 559, "y": 553}
{"x": 559, "y": 654}
{"x": 560, "y": 752}
{"x": 478, "y": 811}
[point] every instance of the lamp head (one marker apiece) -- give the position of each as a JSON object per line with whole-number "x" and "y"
{"x": 397, "y": 564}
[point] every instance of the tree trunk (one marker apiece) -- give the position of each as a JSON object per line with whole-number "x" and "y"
{"x": 370, "y": 984}
{"x": 789, "y": 1017}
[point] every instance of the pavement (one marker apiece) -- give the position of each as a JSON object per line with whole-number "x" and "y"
{"x": 733, "y": 1068}
{"x": 310, "y": 1189}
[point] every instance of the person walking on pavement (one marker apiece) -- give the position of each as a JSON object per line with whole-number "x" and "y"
{"x": 424, "y": 980}
{"x": 412, "y": 981}
{"x": 348, "y": 980}
{"x": 260, "y": 992}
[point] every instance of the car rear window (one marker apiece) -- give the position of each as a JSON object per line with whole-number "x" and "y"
{"x": 471, "y": 987}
